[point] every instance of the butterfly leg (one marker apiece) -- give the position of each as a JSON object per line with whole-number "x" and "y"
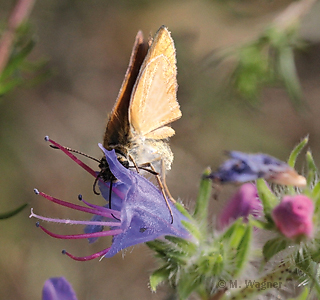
{"x": 163, "y": 187}
{"x": 163, "y": 176}
{"x": 134, "y": 163}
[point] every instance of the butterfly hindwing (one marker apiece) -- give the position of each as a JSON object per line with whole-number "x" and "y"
{"x": 118, "y": 129}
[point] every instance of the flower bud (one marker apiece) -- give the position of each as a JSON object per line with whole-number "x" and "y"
{"x": 244, "y": 202}
{"x": 293, "y": 216}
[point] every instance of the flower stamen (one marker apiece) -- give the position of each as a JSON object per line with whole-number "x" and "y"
{"x": 105, "y": 212}
{"x": 74, "y": 222}
{"x": 79, "y": 236}
{"x": 86, "y": 258}
{"x": 83, "y": 165}
{"x": 73, "y": 157}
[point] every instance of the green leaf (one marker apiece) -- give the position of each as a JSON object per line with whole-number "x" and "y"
{"x": 181, "y": 208}
{"x": 13, "y": 212}
{"x": 167, "y": 253}
{"x": 310, "y": 269}
{"x": 296, "y": 151}
{"x": 288, "y": 73}
{"x": 192, "y": 229}
{"x": 157, "y": 245}
{"x": 237, "y": 233}
{"x": 315, "y": 253}
{"x": 261, "y": 224}
{"x": 312, "y": 169}
{"x": 227, "y": 234}
{"x": 316, "y": 195}
{"x": 243, "y": 250}
{"x": 206, "y": 263}
{"x": 204, "y": 195}
{"x": 16, "y": 59}
{"x": 268, "y": 199}
{"x": 234, "y": 234}
{"x": 275, "y": 37}
{"x": 252, "y": 71}
{"x": 8, "y": 85}
{"x": 218, "y": 267}
{"x": 175, "y": 257}
{"x": 188, "y": 283}
{"x": 159, "y": 276}
{"x": 185, "y": 245}
{"x": 274, "y": 246}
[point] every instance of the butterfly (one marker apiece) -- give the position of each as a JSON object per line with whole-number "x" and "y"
{"x": 138, "y": 126}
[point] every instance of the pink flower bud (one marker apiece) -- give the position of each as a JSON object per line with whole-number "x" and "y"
{"x": 293, "y": 216}
{"x": 244, "y": 202}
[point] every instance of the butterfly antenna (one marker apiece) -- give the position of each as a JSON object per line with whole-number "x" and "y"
{"x": 78, "y": 152}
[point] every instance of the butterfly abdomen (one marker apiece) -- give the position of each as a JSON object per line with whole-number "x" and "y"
{"x": 156, "y": 152}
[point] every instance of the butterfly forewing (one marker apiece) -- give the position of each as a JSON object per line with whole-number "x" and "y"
{"x": 153, "y": 103}
{"x": 118, "y": 128}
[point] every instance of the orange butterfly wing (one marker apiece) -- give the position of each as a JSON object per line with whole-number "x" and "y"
{"x": 153, "y": 103}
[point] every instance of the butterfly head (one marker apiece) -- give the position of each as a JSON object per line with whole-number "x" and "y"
{"x": 105, "y": 172}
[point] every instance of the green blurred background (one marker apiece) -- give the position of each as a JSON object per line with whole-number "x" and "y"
{"x": 88, "y": 44}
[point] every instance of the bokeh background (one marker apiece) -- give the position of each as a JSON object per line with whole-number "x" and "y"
{"x": 87, "y": 45}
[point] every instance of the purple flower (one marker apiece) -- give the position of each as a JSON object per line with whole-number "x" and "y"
{"x": 58, "y": 288}
{"x": 243, "y": 167}
{"x": 139, "y": 211}
{"x": 293, "y": 216}
{"x": 243, "y": 203}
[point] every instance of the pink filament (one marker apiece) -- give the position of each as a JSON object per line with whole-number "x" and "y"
{"x": 98, "y": 207}
{"x": 83, "y": 165}
{"x": 73, "y": 157}
{"x": 75, "y": 222}
{"x": 81, "y": 236}
{"x": 109, "y": 213}
{"x": 90, "y": 257}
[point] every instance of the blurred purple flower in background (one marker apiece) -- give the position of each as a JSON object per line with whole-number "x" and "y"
{"x": 243, "y": 167}
{"x": 293, "y": 216}
{"x": 140, "y": 211}
{"x": 243, "y": 203}
{"x": 58, "y": 288}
